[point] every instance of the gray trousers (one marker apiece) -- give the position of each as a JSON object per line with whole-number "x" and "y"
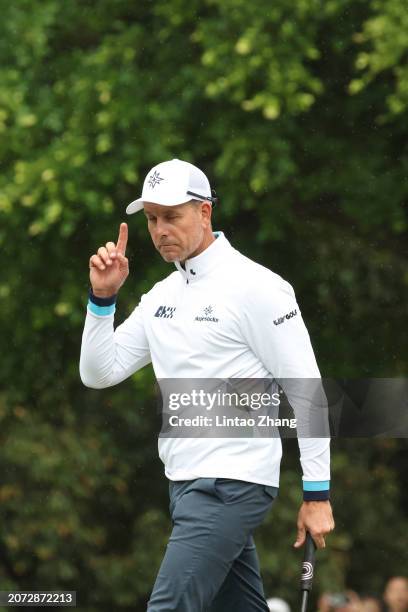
{"x": 211, "y": 564}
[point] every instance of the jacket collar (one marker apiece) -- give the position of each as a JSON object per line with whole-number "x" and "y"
{"x": 197, "y": 267}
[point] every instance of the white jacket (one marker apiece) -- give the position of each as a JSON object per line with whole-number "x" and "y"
{"x": 223, "y": 316}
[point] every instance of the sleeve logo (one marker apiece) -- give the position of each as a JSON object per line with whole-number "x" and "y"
{"x": 280, "y": 320}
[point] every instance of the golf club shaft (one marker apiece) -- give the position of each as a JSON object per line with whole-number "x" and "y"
{"x": 305, "y": 595}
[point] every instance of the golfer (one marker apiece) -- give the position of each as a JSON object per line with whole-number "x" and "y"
{"x": 218, "y": 315}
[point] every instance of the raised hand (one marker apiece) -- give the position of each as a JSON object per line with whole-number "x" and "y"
{"x": 109, "y": 267}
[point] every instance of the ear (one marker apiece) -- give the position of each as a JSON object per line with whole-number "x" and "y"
{"x": 206, "y": 211}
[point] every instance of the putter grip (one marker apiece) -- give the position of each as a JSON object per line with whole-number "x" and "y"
{"x": 308, "y": 565}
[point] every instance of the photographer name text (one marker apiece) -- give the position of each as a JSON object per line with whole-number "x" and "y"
{"x": 260, "y": 420}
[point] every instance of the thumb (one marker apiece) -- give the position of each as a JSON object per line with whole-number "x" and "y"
{"x": 301, "y": 536}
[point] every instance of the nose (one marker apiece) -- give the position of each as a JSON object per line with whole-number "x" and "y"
{"x": 161, "y": 228}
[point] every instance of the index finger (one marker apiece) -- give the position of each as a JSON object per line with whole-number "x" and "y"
{"x": 319, "y": 541}
{"x": 122, "y": 238}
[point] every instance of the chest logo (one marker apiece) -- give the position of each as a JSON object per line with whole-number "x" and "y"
{"x": 207, "y": 315}
{"x": 287, "y": 316}
{"x": 165, "y": 312}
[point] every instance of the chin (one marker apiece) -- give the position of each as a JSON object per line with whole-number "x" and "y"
{"x": 169, "y": 257}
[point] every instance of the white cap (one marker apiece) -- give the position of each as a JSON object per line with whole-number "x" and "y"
{"x": 168, "y": 184}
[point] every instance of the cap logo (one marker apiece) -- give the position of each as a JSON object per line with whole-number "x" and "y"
{"x": 154, "y": 179}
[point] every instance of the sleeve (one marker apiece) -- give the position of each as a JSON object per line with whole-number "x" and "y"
{"x": 109, "y": 356}
{"x": 275, "y": 331}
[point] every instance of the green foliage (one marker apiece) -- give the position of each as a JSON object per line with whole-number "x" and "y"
{"x": 384, "y": 40}
{"x": 298, "y": 113}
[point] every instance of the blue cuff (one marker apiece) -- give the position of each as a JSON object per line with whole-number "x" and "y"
{"x": 101, "y": 306}
{"x": 316, "y": 490}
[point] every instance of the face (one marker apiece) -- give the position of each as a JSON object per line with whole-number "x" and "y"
{"x": 396, "y": 594}
{"x": 179, "y": 232}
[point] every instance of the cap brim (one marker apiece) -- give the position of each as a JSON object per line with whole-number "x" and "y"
{"x": 134, "y": 206}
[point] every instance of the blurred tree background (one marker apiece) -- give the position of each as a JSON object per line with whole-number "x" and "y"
{"x": 298, "y": 113}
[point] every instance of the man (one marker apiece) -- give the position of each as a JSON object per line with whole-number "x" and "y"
{"x": 218, "y": 316}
